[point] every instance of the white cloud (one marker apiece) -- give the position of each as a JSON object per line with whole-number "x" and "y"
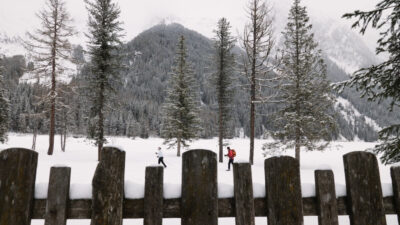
{"x": 18, "y": 16}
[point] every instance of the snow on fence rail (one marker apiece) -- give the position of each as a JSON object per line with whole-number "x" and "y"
{"x": 199, "y": 203}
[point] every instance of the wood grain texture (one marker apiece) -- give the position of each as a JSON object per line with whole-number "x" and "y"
{"x": 17, "y": 184}
{"x": 199, "y": 188}
{"x": 108, "y": 188}
{"x": 364, "y": 190}
{"x": 58, "y": 196}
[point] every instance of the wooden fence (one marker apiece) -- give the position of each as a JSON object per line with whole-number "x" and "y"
{"x": 199, "y": 203}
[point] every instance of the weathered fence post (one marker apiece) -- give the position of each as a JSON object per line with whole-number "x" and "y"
{"x": 58, "y": 196}
{"x": 17, "y": 185}
{"x": 153, "y": 196}
{"x": 283, "y": 190}
{"x": 243, "y": 188}
{"x": 326, "y": 197}
{"x": 395, "y": 174}
{"x": 199, "y": 188}
{"x": 364, "y": 190}
{"x": 108, "y": 188}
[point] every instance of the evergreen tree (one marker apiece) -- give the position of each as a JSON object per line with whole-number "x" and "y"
{"x": 222, "y": 78}
{"x": 49, "y": 45}
{"x": 4, "y": 108}
{"x": 258, "y": 43}
{"x": 104, "y": 46}
{"x": 304, "y": 91}
{"x": 181, "y": 123}
{"x": 381, "y": 82}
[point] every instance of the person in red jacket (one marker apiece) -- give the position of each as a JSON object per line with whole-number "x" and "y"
{"x": 231, "y": 155}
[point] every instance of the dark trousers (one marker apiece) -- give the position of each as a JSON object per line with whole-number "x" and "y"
{"x": 229, "y": 163}
{"x": 161, "y": 160}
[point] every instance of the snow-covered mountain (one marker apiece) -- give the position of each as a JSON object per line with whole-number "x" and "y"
{"x": 344, "y": 49}
{"x": 10, "y": 46}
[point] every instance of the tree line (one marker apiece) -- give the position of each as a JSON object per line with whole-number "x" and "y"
{"x": 299, "y": 106}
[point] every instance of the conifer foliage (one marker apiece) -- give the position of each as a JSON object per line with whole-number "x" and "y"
{"x": 304, "y": 91}
{"x": 180, "y": 112}
{"x": 4, "y": 108}
{"x": 50, "y": 46}
{"x": 104, "y": 47}
{"x": 382, "y": 81}
{"x": 222, "y": 78}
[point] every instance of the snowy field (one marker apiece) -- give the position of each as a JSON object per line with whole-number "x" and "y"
{"x": 81, "y": 156}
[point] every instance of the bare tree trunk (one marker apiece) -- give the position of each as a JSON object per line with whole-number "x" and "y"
{"x": 220, "y": 137}
{"x": 100, "y": 138}
{"x": 34, "y": 139}
{"x": 53, "y": 86}
{"x": 253, "y": 84}
{"x": 179, "y": 147}
{"x": 63, "y": 137}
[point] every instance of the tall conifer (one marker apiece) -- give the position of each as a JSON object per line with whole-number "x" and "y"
{"x": 104, "y": 47}
{"x": 222, "y": 78}
{"x": 304, "y": 91}
{"x": 180, "y": 113}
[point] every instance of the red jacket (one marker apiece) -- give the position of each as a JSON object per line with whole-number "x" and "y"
{"x": 230, "y": 154}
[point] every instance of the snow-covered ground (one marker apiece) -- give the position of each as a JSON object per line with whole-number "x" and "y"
{"x": 81, "y": 156}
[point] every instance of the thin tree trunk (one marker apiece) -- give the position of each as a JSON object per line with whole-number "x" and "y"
{"x": 220, "y": 138}
{"x": 253, "y": 86}
{"x": 53, "y": 86}
{"x": 100, "y": 140}
{"x": 34, "y": 139}
{"x": 297, "y": 141}
{"x": 220, "y": 109}
{"x": 63, "y": 137}
{"x": 179, "y": 147}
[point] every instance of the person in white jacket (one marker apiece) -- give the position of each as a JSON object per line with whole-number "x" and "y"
{"x": 160, "y": 157}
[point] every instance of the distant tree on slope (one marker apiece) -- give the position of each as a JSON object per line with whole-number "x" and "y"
{"x": 304, "y": 91}
{"x": 222, "y": 78}
{"x": 180, "y": 112}
{"x": 49, "y": 45}
{"x": 382, "y": 81}
{"x": 4, "y": 108}
{"x": 105, "y": 65}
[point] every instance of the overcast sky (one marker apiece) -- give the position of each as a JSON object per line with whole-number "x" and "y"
{"x": 18, "y": 16}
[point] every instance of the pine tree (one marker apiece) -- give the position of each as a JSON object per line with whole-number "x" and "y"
{"x": 258, "y": 43}
{"x": 104, "y": 47}
{"x": 381, "y": 82}
{"x": 180, "y": 112}
{"x": 304, "y": 91}
{"x": 49, "y": 45}
{"x": 4, "y": 108}
{"x": 222, "y": 78}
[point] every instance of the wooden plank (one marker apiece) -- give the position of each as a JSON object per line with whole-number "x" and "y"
{"x": 283, "y": 190}
{"x": 108, "y": 188}
{"x": 17, "y": 185}
{"x": 243, "y": 189}
{"x": 364, "y": 190}
{"x": 199, "y": 188}
{"x": 326, "y": 197}
{"x": 395, "y": 174}
{"x": 153, "y": 196}
{"x": 133, "y": 208}
{"x": 58, "y": 196}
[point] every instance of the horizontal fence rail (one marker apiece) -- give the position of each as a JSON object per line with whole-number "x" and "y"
{"x": 199, "y": 203}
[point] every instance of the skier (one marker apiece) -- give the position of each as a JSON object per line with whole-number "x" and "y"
{"x": 160, "y": 157}
{"x": 231, "y": 155}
